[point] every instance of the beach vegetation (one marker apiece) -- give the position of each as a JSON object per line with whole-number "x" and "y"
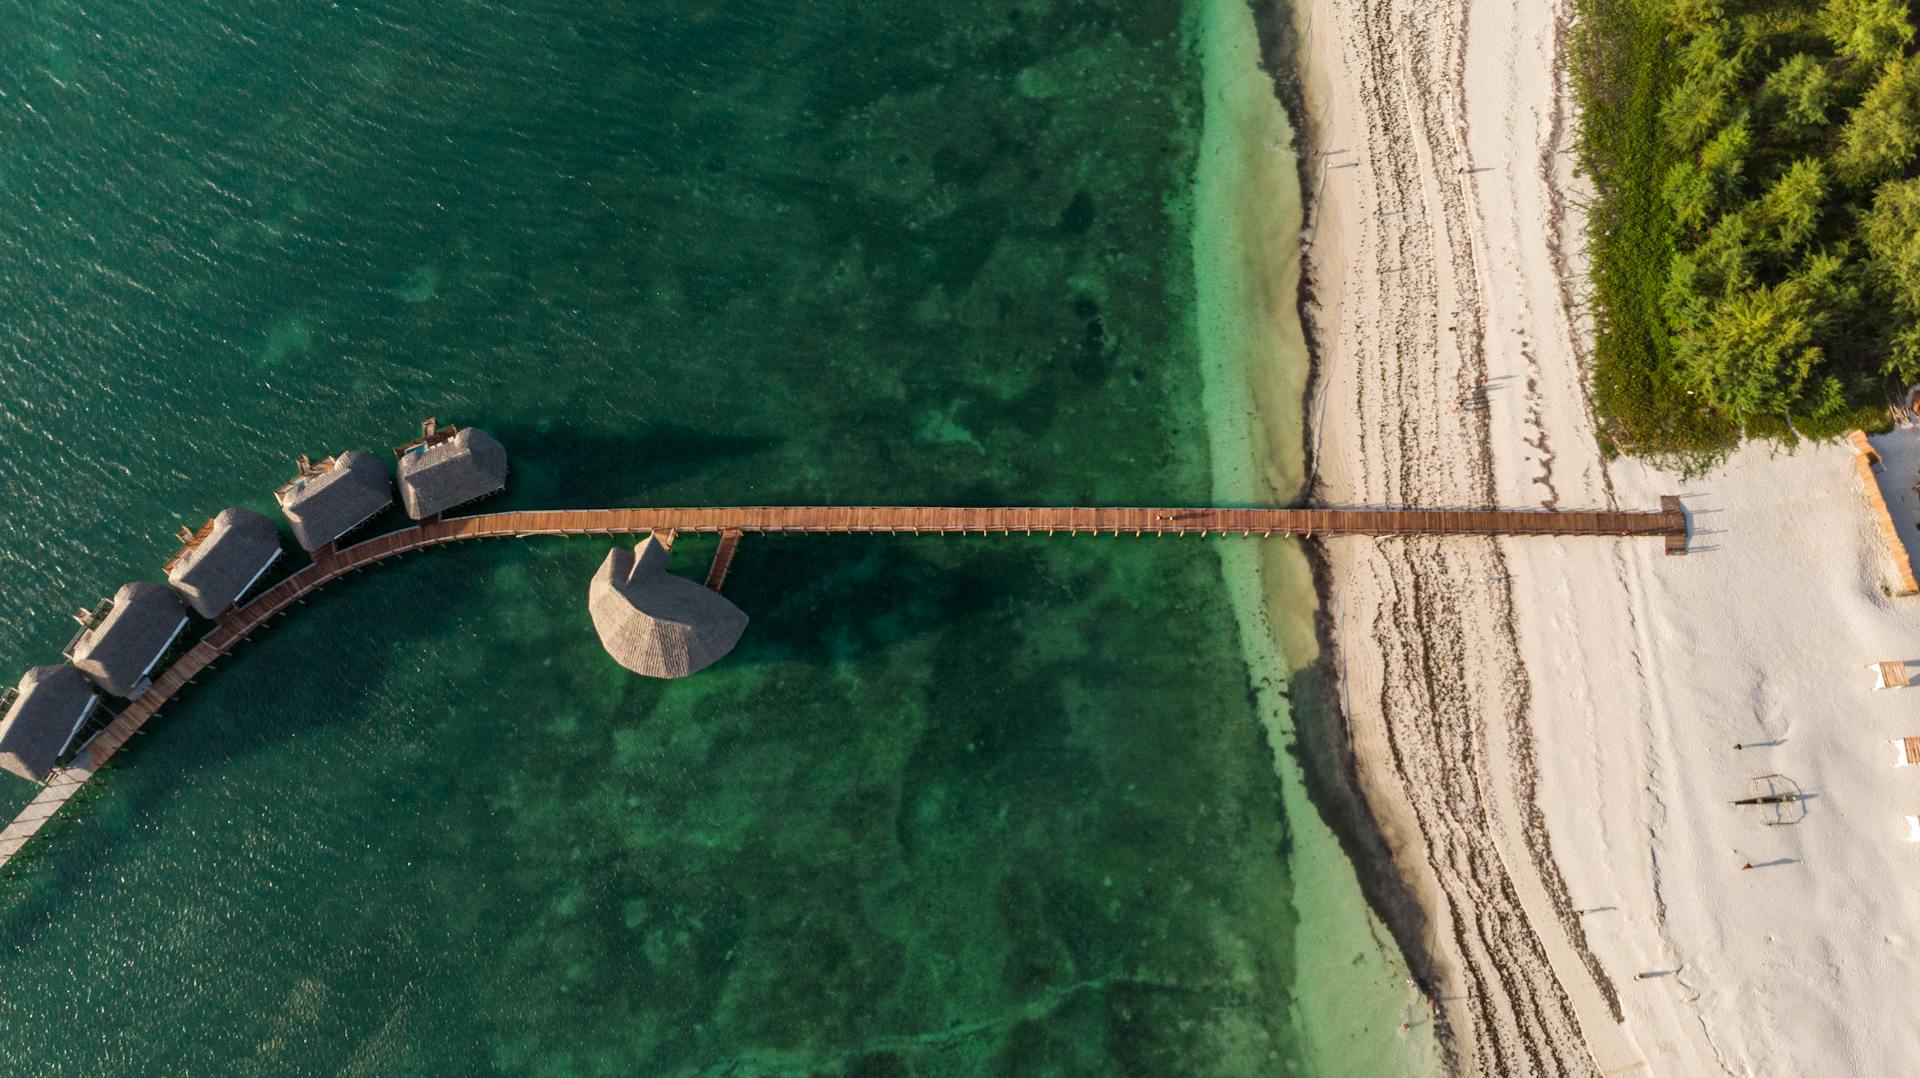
{"x": 1800, "y": 93}
{"x": 1868, "y": 32}
{"x": 1882, "y": 131}
{"x": 1755, "y": 232}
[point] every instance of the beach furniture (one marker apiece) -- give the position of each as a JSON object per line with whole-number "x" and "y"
{"x": 1906, "y": 751}
{"x": 1913, "y": 829}
{"x": 1779, "y": 799}
{"x": 1891, "y": 674}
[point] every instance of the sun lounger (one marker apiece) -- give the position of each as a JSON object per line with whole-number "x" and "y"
{"x": 1913, "y": 829}
{"x": 1889, "y": 675}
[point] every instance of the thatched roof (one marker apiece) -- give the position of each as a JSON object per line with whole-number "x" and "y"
{"x": 655, "y": 623}
{"x": 119, "y": 650}
{"x": 330, "y": 499}
{"x": 220, "y": 566}
{"x": 437, "y": 474}
{"x": 47, "y": 710}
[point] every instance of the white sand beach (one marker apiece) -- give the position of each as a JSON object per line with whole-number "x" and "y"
{"x": 1547, "y": 727}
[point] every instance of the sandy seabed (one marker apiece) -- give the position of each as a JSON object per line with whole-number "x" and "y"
{"x": 1546, "y": 728}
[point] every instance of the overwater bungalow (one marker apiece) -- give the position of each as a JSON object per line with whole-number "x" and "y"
{"x": 447, "y": 467}
{"x": 219, "y": 563}
{"x": 655, "y": 623}
{"x": 329, "y": 499}
{"x": 42, "y": 717}
{"x": 121, "y": 640}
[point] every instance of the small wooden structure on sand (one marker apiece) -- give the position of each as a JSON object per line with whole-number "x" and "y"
{"x": 1906, "y": 751}
{"x": 1866, "y": 459}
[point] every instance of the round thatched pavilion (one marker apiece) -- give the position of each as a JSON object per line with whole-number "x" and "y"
{"x": 655, "y": 623}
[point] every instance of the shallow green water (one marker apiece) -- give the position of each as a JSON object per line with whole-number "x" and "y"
{"x": 953, "y": 807}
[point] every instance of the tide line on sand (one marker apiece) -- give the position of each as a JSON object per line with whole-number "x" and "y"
{"x": 1353, "y": 1004}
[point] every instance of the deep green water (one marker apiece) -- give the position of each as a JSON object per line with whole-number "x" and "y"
{"x": 953, "y": 807}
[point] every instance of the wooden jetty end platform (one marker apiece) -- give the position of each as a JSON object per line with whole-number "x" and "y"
{"x": 1669, "y": 523}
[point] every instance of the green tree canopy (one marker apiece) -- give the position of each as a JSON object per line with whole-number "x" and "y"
{"x": 1754, "y": 354}
{"x": 1756, "y": 230}
{"x": 1690, "y": 193}
{"x": 1903, "y": 353}
{"x": 1691, "y": 112}
{"x": 1685, "y": 302}
{"x": 1882, "y": 131}
{"x": 1830, "y": 283}
{"x": 1725, "y": 261}
{"x": 1870, "y": 32}
{"x": 1691, "y": 17}
{"x": 1891, "y": 230}
{"x": 1802, "y": 90}
{"x": 1724, "y": 158}
{"x": 1791, "y": 207}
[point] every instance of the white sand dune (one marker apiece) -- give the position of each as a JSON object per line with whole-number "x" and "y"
{"x": 1547, "y": 726}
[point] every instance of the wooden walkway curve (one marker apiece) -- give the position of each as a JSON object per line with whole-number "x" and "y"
{"x": 1668, "y": 523}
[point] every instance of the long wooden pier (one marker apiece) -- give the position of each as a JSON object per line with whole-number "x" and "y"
{"x": 1669, "y": 523}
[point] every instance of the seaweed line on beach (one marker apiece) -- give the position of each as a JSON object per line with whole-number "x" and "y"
{"x": 1450, "y": 678}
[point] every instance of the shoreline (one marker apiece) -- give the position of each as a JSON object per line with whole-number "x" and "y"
{"x": 1356, "y": 1012}
{"x": 1333, "y": 775}
{"x": 1549, "y": 735}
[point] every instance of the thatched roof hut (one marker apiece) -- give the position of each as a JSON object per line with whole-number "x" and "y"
{"x": 655, "y": 623}
{"x": 218, "y": 563}
{"x": 120, "y": 642}
{"x": 41, "y": 718}
{"x": 449, "y": 467}
{"x": 329, "y": 499}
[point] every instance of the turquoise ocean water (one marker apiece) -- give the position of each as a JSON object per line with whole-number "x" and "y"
{"x": 953, "y": 807}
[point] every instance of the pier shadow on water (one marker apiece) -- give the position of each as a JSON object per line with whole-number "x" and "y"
{"x": 317, "y": 664}
{"x": 561, "y": 465}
